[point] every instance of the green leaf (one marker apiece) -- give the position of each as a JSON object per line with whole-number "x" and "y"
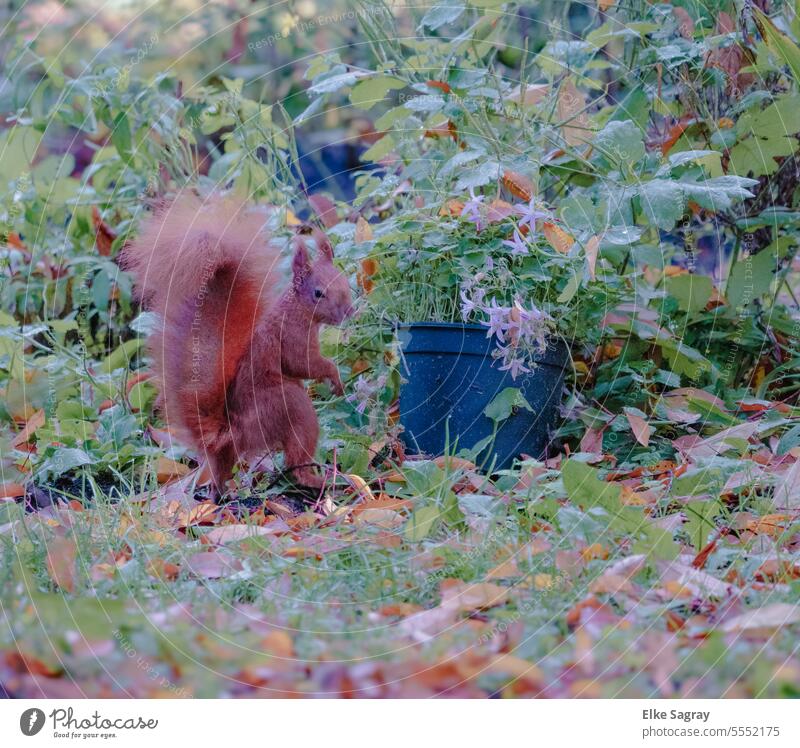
{"x": 370, "y": 91}
{"x": 585, "y": 488}
{"x": 780, "y": 44}
{"x": 663, "y": 202}
{"x": 684, "y": 359}
{"x": 121, "y": 136}
{"x": 122, "y": 355}
{"x": 422, "y": 523}
{"x": 379, "y": 149}
{"x": 18, "y": 148}
{"x": 504, "y": 404}
{"x": 657, "y": 543}
{"x": 335, "y": 82}
{"x": 621, "y": 142}
{"x": 443, "y": 13}
{"x": 780, "y": 118}
{"x": 489, "y": 171}
{"x": 691, "y": 291}
{"x": 700, "y": 516}
{"x": 65, "y": 459}
{"x": 789, "y": 440}
{"x": 757, "y": 155}
{"x": 751, "y": 277}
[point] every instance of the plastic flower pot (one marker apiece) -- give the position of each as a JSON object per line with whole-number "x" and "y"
{"x": 449, "y": 379}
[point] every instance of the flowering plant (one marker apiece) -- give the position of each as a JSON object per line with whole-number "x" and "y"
{"x": 483, "y": 260}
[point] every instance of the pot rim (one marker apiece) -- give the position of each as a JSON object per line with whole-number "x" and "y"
{"x": 557, "y": 353}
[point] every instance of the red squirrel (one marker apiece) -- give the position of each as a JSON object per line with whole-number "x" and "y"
{"x": 232, "y": 350}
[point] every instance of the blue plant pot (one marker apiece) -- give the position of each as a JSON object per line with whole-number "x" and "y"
{"x": 449, "y": 377}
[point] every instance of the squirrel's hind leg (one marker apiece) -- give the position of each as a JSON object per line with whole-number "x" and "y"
{"x": 221, "y": 465}
{"x": 301, "y": 436}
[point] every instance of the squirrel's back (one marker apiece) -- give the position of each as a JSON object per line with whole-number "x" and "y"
{"x": 206, "y": 267}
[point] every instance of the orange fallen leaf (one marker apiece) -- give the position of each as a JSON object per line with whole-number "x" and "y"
{"x": 278, "y": 644}
{"x": 61, "y": 555}
{"x": 202, "y": 513}
{"x": 559, "y": 239}
{"x": 168, "y": 469}
{"x": 142, "y": 376}
{"x": 400, "y": 610}
{"x": 104, "y": 234}
{"x": 504, "y": 570}
{"x": 360, "y": 486}
{"x": 441, "y": 85}
{"x": 466, "y": 597}
{"x": 363, "y": 230}
{"x": 161, "y": 569}
{"x": 29, "y": 429}
{"x": 770, "y": 524}
{"x": 384, "y": 501}
{"x": 28, "y": 664}
{"x": 452, "y": 208}
{"x": 775, "y": 570}
{"x": 518, "y": 185}
{"x": 594, "y": 551}
{"x": 11, "y": 490}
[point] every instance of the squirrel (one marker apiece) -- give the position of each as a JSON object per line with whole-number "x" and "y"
{"x": 232, "y": 349}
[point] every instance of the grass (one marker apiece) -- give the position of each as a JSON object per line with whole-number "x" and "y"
{"x": 130, "y": 597}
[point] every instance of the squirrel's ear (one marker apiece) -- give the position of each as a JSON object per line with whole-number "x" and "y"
{"x": 323, "y": 245}
{"x": 300, "y": 263}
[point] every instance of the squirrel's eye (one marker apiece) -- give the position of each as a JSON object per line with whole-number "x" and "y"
{"x": 318, "y": 294}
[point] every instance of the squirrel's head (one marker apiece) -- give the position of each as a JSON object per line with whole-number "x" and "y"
{"x": 319, "y": 287}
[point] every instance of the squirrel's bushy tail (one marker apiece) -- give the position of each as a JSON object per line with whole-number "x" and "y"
{"x": 206, "y": 267}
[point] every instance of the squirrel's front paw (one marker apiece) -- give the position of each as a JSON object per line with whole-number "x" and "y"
{"x": 335, "y": 382}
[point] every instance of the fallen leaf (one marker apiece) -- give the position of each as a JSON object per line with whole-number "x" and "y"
{"x": 168, "y": 469}
{"x": 769, "y": 617}
{"x": 591, "y": 249}
{"x": 787, "y": 487}
{"x": 104, "y": 234}
{"x": 33, "y": 423}
{"x": 530, "y": 95}
{"x": 466, "y": 597}
{"x": 518, "y": 185}
{"x": 235, "y": 533}
{"x": 559, "y": 239}
{"x": 385, "y": 518}
{"x": 685, "y": 22}
{"x": 363, "y": 230}
{"x": 202, "y": 513}
{"x": 641, "y": 429}
{"x": 61, "y": 555}
{"x": 325, "y": 209}
{"x": 571, "y": 112}
{"x": 213, "y": 564}
{"x": 11, "y": 490}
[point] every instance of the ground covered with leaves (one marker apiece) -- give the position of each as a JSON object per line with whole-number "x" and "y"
{"x": 622, "y": 176}
{"x": 570, "y": 577}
